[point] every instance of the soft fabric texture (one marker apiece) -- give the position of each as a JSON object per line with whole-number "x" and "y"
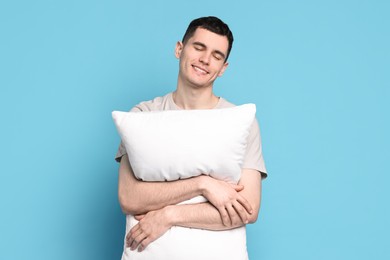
{"x": 171, "y": 145}
{"x": 254, "y": 156}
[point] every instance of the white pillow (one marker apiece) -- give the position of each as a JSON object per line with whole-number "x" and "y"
{"x": 178, "y": 144}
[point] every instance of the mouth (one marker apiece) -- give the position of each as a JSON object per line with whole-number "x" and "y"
{"x": 200, "y": 70}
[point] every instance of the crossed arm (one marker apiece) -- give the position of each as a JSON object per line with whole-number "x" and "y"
{"x": 154, "y": 203}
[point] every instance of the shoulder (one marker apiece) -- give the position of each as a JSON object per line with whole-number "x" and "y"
{"x": 223, "y": 103}
{"x": 156, "y": 104}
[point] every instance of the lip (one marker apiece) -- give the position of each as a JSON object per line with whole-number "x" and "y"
{"x": 200, "y": 69}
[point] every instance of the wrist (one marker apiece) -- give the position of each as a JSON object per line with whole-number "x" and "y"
{"x": 170, "y": 215}
{"x": 202, "y": 181}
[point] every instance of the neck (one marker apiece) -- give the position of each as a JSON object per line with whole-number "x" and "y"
{"x": 189, "y": 98}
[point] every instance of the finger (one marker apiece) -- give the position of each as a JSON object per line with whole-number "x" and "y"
{"x": 137, "y": 240}
{"x": 132, "y": 235}
{"x": 144, "y": 244}
{"x": 241, "y": 212}
{"x": 224, "y": 216}
{"x": 139, "y": 217}
{"x": 235, "y": 219}
{"x": 238, "y": 187}
{"x": 132, "y": 231}
{"x": 245, "y": 204}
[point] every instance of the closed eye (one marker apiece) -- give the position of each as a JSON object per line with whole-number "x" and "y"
{"x": 199, "y": 46}
{"x": 218, "y": 56}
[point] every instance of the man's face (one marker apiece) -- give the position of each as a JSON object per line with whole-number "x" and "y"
{"x": 202, "y": 58}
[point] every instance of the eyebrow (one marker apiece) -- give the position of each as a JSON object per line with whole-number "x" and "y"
{"x": 215, "y": 51}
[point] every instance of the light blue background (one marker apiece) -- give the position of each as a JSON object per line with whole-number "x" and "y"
{"x": 317, "y": 70}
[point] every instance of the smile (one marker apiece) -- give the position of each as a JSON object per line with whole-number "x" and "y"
{"x": 200, "y": 70}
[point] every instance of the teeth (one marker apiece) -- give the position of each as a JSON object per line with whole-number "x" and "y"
{"x": 200, "y": 70}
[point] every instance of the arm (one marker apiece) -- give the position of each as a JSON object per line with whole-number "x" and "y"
{"x": 138, "y": 197}
{"x": 202, "y": 216}
{"x": 205, "y": 216}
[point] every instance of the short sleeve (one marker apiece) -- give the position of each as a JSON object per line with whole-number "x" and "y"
{"x": 121, "y": 151}
{"x": 254, "y": 155}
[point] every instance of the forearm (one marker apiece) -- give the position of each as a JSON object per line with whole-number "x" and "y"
{"x": 138, "y": 197}
{"x": 207, "y": 216}
{"x": 200, "y": 216}
{"x": 148, "y": 196}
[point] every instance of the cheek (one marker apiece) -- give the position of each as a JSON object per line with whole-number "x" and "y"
{"x": 219, "y": 70}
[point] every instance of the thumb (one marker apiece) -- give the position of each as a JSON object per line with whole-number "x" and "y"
{"x": 139, "y": 217}
{"x": 238, "y": 187}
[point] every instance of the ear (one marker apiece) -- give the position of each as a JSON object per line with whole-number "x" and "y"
{"x": 223, "y": 69}
{"x": 178, "y": 49}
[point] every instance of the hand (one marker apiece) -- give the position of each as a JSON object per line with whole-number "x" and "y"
{"x": 151, "y": 226}
{"x": 232, "y": 207}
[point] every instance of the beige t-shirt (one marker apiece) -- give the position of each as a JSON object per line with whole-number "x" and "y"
{"x": 254, "y": 156}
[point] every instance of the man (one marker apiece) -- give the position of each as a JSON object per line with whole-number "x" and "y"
{"x": 202, "y": 55}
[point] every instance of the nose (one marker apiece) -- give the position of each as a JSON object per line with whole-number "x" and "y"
{"x": 205, "y": 58}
